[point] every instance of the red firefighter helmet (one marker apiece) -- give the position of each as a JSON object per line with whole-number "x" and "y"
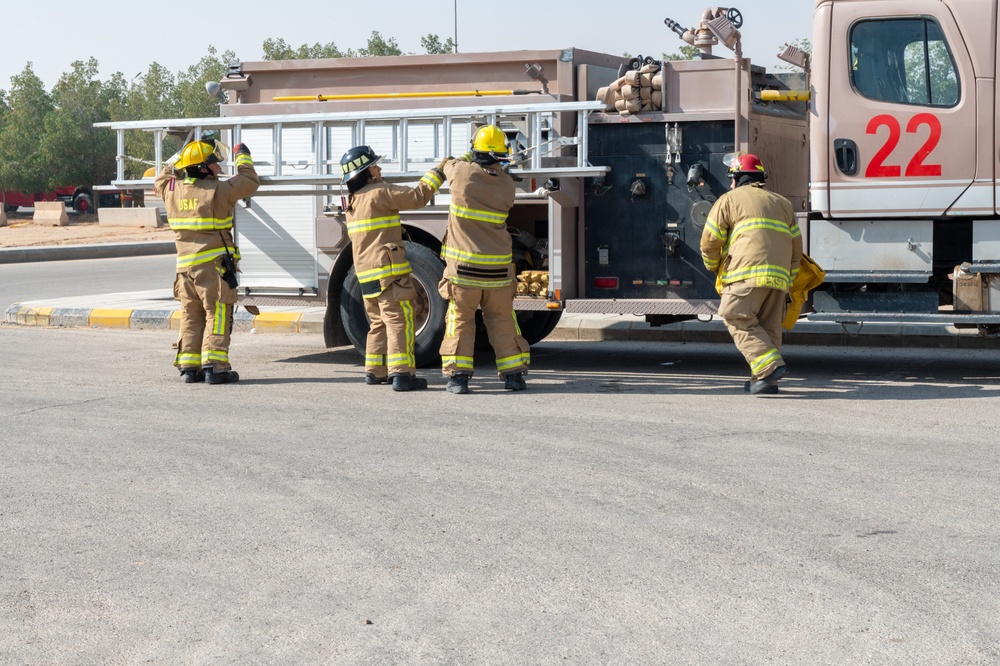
{"x": 744, "y": 163}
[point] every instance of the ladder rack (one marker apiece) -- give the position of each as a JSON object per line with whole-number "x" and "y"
{"x": 541, "y": 150}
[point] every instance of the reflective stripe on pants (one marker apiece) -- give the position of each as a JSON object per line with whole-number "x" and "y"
{"x": 206, "y": 318}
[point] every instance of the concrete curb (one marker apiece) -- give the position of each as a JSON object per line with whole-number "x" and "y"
{"x": 166, "y": 319}
{"x": 571, "y": 328}
{"x": 15, "y": 255}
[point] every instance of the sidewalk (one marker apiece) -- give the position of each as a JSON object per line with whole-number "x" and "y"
{"x": 156, "y": 310}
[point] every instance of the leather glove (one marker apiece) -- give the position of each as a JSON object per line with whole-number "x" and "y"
{"x": 440, "y": 166}
{"x": 241, "y": 148}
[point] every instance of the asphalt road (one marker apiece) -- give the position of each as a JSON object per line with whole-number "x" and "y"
{"x": 57, "y": 279}
{"x": 632, "y": 507}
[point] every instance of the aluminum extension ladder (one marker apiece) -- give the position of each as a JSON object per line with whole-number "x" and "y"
{"x": 537, "y": 142}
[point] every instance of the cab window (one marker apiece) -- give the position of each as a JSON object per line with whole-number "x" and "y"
{"x": 903, "y": 61}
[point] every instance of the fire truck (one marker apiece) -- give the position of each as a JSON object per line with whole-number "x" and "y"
{"x": 78, "y": 198}
{"x": 884, "y": 140}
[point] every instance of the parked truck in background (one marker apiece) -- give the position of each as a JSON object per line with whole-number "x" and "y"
{"x": 80, "y": 199}
{"x": 888, "y": 152}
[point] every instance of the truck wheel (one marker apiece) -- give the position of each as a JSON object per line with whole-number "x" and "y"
{"x": 429, "y": 308}
{"x": 535, "y": 326}
{"x": 10, "y": 208}
{"x": 83, "y": 203}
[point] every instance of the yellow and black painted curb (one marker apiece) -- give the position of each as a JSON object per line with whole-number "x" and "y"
{"x": 136, "y": 319}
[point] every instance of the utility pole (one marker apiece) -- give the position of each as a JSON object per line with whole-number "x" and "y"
{"x": 456, "y": 26}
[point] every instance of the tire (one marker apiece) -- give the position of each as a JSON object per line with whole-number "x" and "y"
{"x": 536, "y": 325}
{"x": 10, "y": 208}
{"x": 83, "y": 203}
{"x": 429, "y": 308}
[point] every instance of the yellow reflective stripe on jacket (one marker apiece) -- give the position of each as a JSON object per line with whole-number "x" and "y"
{"x": 764, "y": 360}
{"x": 711, "y": 264}
{"x": 448, "y": 252}
{"x": 432, "y": 179}
{"x": 188, "y": 260}
{"x": 479, "y": 284}
{"x": 200, "y": 223}
{"x": 481, "y": 215}
{"x": 757, "y": 223}
{"x": 765, "y": 275}
{"x": 389, "y": 270}
{"x": 242, "y": 159}
{"x": 460, "y": 362}
{"x": 372, "y": 224}
{"x": 712, "y": 227}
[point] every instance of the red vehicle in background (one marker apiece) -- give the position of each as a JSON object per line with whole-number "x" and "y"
{"x": 80, "y": 199}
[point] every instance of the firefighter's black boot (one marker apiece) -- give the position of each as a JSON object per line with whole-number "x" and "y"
{"x": 768, "y": 391}
{"x": 372, "y": 380}
{"x": 407, "y": 383}
{"x": 193, "y": 376}
{"x": 514, "y": 381}
{"x": 212, "y": 376}
{"x": 458, "y": 383}
{"x": 769, "y": 382}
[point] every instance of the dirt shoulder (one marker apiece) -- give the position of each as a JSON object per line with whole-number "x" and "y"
{"x": 82, "y": 230}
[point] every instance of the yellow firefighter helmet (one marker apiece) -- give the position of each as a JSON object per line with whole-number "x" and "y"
{"x": 202, "y": 152}
{"x": 491, "y": 140}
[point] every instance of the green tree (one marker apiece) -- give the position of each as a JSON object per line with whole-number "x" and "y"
{"x": 930, "y": 72}
{"x": 75, "y": 152}
{"x": 432, "y": 44}
{"x": 685, "y": 52}
{"x": 194, "y": 100}
{"x": 279, "y": 49}
{"x": 154, "y": 95}
{"x": 22, "y": 166}
{"x": 379, "y": 46}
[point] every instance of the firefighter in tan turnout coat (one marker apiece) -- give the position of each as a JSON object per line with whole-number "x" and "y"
{"x": 751, "y": 241}
{"x": 381, "y": 265}
{"x": 200, "y": 212}
{"x": 479, "y": 268}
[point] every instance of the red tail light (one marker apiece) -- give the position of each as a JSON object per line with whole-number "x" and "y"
{"x": 606, "y": 283}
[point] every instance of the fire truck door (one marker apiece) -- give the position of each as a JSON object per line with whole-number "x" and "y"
{"x": 902, "y": 114}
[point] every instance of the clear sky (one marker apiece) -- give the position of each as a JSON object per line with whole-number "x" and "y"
{"x": 128, "y": 36}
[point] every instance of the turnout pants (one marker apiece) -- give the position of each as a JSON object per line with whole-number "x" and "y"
{"x": 389, "y": 347}
{"x": 753, "y": 316}
{"x": 458, "y": 346}
{"x": 206, "y": 318}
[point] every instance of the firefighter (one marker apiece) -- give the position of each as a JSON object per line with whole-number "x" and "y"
{"x": 752, "y": 243}
{"x": 479, "y": 268}
{"x": 380, "y": 264}
{"x": 200, "y": 211}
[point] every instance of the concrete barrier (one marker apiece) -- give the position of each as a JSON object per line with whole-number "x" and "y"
{"x": 3, "y": 216}
{"x": 50, "y": 214}
{"x": 128, "y": 217}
